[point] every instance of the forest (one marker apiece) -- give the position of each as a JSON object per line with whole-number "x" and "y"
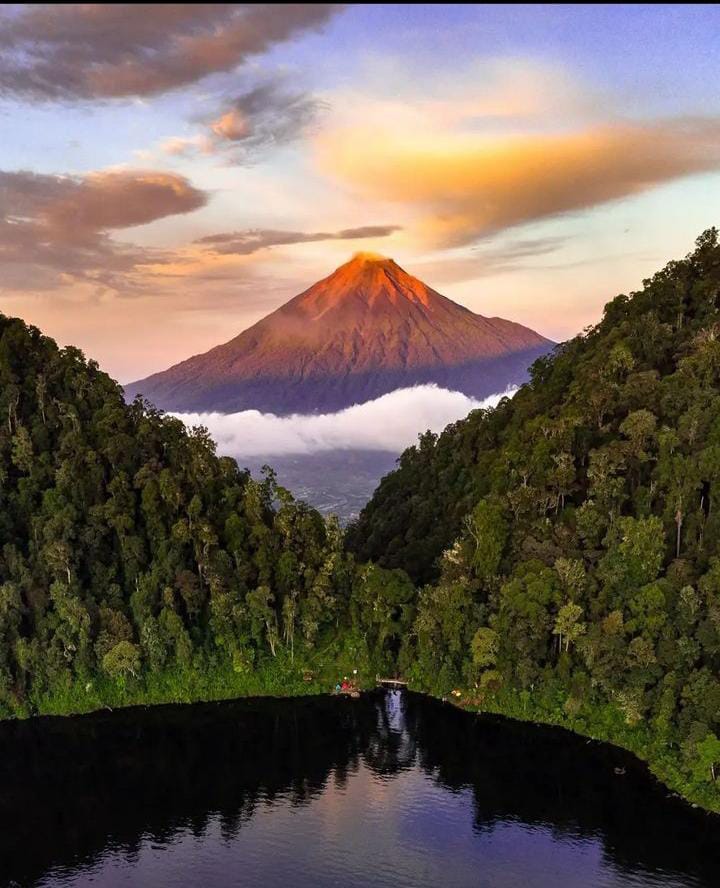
{"x": 556, "y": 558}
{"x": 566, "y": 544}
{"x": 138, "y": 566}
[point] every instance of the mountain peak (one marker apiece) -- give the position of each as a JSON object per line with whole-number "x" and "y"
{"x": 366, "y": 256}
{"x": 370, "y": 280}
{"x": 365, "y": 262}
{"x": 366, "y": 329}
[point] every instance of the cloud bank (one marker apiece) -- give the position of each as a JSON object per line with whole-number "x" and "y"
{"x": 466, "y": 186}
{"x": 391, "y": 422}
{"x": 103, "y": 51}
{"x": 52, "y": 227}
{"x": 57, "y": 230}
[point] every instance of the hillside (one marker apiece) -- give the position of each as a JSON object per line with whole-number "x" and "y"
{"x": 571, "y": 539}
{"x": 571, "y": 536}
{"x": 537, "y": 450}
{"x": 365, "y": 330}
{"x": 136, "y": 565}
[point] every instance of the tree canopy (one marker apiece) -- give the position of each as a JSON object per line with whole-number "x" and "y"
{"x": 557, "y": 557}
{"x": 568, "y": 541}
{"x": 129, "y": 548}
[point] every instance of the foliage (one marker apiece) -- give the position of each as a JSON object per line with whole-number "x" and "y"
{"x": 129, "y": 551}
{"x": 564, "y": 547}
{"x": 567, "y": 543}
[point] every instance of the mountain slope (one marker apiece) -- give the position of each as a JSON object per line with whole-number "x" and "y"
{"x": 652, "y": 359}
{"x": 571, "y": 537}
{"x": 363, "y": 331}
{"x": 131, "y": 553}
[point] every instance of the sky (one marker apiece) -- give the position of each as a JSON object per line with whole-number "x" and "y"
{"x": 169, "y": 174}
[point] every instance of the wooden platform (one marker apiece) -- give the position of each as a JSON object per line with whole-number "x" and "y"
{"x": 392, "y": 682}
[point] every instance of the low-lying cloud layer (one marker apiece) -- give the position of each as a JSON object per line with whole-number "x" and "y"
{"x": 101, "y": 51}
{"x": 391, "y": 423}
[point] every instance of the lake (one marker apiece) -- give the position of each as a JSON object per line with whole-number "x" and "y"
{"x": 389, "y": 790}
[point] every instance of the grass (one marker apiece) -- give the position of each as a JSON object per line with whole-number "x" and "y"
{"x": 310, "y": 672}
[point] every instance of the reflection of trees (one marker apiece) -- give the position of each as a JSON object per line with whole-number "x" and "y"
{"x": 71, "y": 787}
{"x": 539, "y": 775}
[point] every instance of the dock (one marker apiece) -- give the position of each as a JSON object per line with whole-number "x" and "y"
{"x": 391, "y": 682}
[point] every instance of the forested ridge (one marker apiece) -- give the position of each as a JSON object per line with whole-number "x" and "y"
{"x": 564, "y": 547}
{"x": 137, "y": 565}
{"x": 567, "y": 543}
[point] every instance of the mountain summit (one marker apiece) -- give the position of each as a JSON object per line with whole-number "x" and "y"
{"x": 365, "y": 330}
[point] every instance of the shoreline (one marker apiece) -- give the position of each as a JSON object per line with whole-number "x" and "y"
{"x": 664, "y": 775}
{"x": 223, "y": 687}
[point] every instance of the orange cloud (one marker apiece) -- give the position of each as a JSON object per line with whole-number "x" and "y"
{"x": 265, "y": 115}
{"x": 244, "y": 243}
{"x": 469, "y": 186}
{"x": 179, "y": 146}
{"x": 232, "y": 126}
{"x": 116, "y": 199}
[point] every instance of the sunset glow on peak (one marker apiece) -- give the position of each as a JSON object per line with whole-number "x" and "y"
{"x": 168, "y": 176}
{"x": 369, "y": 257}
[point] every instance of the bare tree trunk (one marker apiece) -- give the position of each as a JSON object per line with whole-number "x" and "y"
{"x": 678, "y": 522}
{"x": 271, "y": 639}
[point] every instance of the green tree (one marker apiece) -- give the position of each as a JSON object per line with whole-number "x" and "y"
{"x": 568, "y": 626}
{"x": 485, "y": 647}
{"x": 122, "y": 660}
{"x": 707, "y": 758}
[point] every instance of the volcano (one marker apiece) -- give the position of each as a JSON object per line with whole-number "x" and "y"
{"x": 365, "y": 330}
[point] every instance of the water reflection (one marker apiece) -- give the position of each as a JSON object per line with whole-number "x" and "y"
{"x": 391, "y": 789}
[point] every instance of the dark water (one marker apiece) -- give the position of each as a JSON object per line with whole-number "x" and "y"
{"x": 389, "y": 790}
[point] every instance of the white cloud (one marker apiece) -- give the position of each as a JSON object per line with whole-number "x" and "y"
{"x": 391, "y": 422}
